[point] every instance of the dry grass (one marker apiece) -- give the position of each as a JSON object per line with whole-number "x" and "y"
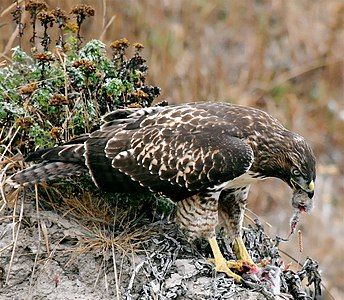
{"x": 282, "y": 56}
{"x": 92, "y": 224}
{"x": 104, "y": 225}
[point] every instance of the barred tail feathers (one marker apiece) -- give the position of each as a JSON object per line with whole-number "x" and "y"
{"x": 42, "y": 172}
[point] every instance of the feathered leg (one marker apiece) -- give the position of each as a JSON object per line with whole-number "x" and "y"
{"x": 198, "y": 216}
{"x": 231, "y": 212}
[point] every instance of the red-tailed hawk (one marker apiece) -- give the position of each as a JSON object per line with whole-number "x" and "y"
{"x": 204, "y": 156}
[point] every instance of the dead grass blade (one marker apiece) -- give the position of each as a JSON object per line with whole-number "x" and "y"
{"x": 12, "y": 38}
{"x": 115, "y": 271}
{"x": 9, "y": 8}
{"x": 8, "y": 146}
{"x": 256, "y": 216}
{"x": 15, "y": 233}
{"x": 106, "y": 27}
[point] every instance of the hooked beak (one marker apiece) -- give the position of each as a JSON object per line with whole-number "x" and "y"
{"x": 306, "y": 187}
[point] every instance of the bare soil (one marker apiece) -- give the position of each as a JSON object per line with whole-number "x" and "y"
{"x": 64, "y": 272}
{"x": 47, "y": 254}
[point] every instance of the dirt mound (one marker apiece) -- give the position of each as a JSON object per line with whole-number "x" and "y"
{"x": 50, "y": 255}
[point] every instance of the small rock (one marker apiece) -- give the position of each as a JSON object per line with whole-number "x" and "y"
{"x": 174, "y": 280}
{"x": 185, "y": 268}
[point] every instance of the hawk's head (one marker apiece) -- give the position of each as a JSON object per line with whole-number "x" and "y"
{"x": 288, "y": 156}
{"x": 300, "y": 174}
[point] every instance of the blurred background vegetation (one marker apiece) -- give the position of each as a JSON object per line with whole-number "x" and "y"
{"x": 285, "y": 57}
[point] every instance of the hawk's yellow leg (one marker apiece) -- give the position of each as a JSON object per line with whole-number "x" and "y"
{"x": 221, "y": 265}
{"x": 241, "y": 251}
{"x": 243, "y": 257}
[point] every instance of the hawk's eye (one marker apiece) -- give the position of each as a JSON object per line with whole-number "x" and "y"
{"x": 296, "y": 172}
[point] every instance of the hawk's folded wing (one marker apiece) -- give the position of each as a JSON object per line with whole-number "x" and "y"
{"x": 179, "y": 159}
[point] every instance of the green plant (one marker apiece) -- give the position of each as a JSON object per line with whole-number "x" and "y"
{"x": 49, "y": 96}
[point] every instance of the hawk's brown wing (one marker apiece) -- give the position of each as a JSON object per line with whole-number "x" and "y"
{"x": 178, "y": 151}
{"x": 179, "y": 154}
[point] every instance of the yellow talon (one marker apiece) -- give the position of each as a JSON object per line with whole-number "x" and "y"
{"x": 244, "y": 259}
{"x": 221, "y": 265}
{"x": 236, "y": 265}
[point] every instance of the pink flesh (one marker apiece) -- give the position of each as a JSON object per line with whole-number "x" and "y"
{"x": 302, "y": 208}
